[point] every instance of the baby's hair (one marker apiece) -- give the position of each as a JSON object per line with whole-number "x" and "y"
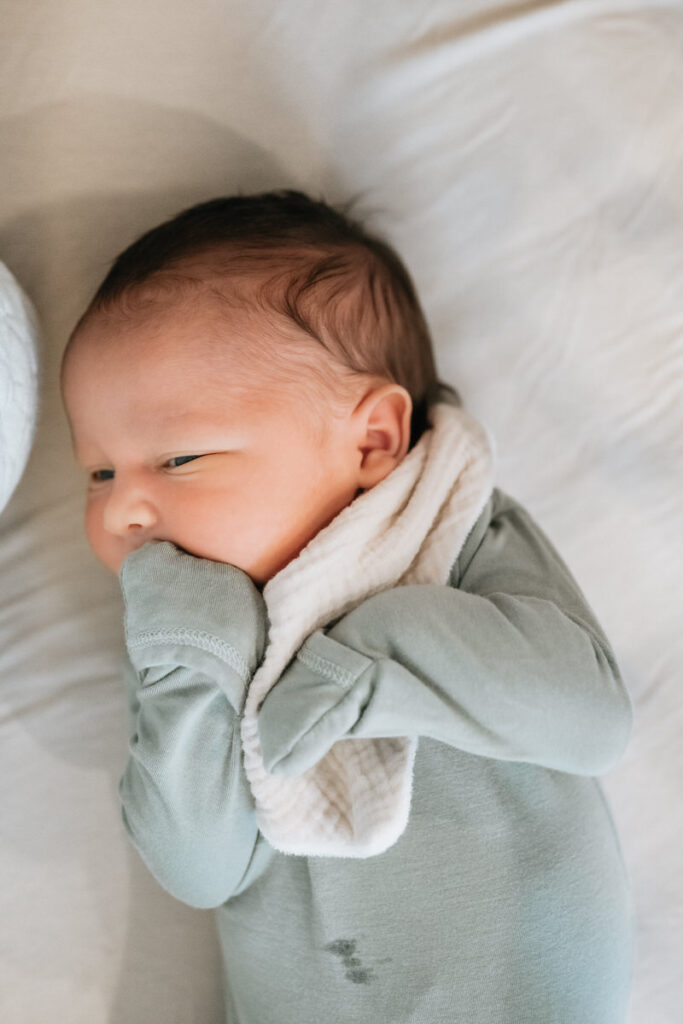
{"x": 301, "y": 259}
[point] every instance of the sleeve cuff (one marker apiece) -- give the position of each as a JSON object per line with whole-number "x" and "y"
{"x": 332, "y": 659}
{"x": 316, "y": 701}
{"x": 175, "y": 602}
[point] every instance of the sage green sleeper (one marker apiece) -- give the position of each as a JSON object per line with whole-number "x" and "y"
{"x": 505, "y": 901}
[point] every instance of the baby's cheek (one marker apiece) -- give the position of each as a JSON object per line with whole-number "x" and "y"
{"x": 92, "y": 521}
{"x": 96, "y": 534}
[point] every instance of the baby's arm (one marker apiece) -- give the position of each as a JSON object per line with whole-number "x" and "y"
{"x": 508, "y": 662}
{"x": 195, "y": 632}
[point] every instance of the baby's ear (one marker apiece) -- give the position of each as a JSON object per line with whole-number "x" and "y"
{"x": 384, "y": 416}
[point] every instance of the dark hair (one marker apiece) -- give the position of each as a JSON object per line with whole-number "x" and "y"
{"x": 343, "y": 286}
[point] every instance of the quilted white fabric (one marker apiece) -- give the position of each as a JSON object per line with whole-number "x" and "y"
{"x": 19, "y": 362}
{"x": 409, "y": 528}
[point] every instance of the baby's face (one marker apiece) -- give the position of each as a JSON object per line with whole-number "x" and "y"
{"x": 178, "y": 444}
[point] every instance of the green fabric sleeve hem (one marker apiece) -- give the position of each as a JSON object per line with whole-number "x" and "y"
{"x": 318, "y": 651}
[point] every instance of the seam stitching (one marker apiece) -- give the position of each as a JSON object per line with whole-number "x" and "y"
{"x": 326, "y": 668}
{"x": 194, "y": 638}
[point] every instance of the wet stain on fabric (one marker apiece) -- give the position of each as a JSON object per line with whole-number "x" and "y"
{"x": 346, "y": 950}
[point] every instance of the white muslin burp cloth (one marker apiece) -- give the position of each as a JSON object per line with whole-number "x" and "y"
{"x": 409, "y": 528}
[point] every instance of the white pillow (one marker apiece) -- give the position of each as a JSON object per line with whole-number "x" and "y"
{"x": 19, "y": 367}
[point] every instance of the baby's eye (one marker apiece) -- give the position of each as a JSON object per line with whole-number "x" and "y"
{"x": 96, "y": 478}
{"x": 177, "y": 458}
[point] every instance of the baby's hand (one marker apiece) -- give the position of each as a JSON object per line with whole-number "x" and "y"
{"x": 165, "y": 587}
{"x": 307, "y": 712}
{"x": 174, "y": 554}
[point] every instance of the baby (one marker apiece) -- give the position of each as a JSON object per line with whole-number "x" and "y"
{"x": 246, "y": 376}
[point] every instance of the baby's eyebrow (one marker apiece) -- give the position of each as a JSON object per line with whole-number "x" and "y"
{"x": 78, "y": 456}
{"x": 203, "y": 439}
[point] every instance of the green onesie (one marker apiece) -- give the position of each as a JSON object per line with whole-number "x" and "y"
{"x": 505, "y": 900}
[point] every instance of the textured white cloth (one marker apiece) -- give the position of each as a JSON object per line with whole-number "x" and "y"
{"x": 19, "y": 381}
{"x": 409, "y": 528}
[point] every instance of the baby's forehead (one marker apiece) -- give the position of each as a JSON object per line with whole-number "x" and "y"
{"x": 244, "y": 364}
{"x": 216, "y": 348}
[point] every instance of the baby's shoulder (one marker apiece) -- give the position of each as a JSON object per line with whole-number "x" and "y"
{"x": 500, "y": 506}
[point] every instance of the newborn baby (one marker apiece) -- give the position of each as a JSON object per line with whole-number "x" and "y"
{"x": 249, "y": 376}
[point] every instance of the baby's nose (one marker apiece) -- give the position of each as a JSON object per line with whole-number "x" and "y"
{"x": 127, "y": 513}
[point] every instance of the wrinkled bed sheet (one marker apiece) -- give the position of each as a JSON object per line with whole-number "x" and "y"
{"x": 527, "y": 161}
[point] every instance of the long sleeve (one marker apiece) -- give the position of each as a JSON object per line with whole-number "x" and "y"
{"x": 195, "y": 631}
{"x": 507, "y": 661}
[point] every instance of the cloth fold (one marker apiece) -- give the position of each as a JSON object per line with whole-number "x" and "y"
{"x": 409, "y": 528}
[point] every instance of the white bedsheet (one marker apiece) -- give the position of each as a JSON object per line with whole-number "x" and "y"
{"x": 527, "y": 161}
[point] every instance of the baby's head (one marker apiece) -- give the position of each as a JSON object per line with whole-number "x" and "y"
{"x": 243, "y": 372}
